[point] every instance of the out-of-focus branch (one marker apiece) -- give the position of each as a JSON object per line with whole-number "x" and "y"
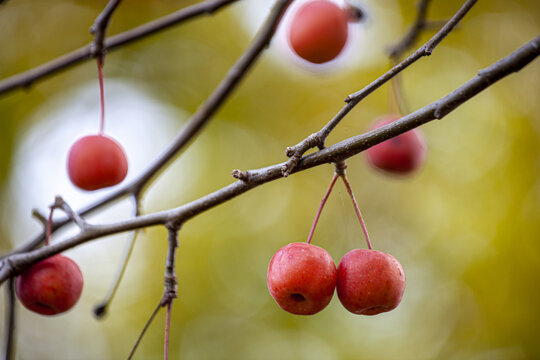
{"x": 29, "y": 77}
{"x": 395, "y": 51}
{"x": 317, "y": 139}
{"x": 9, "y": 336}
{"x": 15, "y": 263}
{"x": 203, "y": 114}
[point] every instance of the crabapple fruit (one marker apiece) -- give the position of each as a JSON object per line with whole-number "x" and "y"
{"x": 399, "y": 155}
{"x": 369, "y": 282}
{"x": 51, "y": 286}
{"x": 95, "y": 162}
{"x": 318, "y": 31}
{"x": 302, "y": 278}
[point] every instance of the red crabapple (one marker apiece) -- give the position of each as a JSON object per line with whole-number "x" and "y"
{"x": 302, "y": 278}
{"x": 51, "y": 286}
{"x": 369, "y": 282}
{"x": 399, "y": 155}
{"x": 318, "y": 31}
{"x": 95, "y": 162}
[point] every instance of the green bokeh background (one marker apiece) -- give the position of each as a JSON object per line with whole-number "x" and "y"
{"x": 466, "y": 228}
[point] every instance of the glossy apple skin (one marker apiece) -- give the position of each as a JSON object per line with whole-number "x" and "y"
{"x": 318, "y": 31}
{"x": 51, "y": 286}
{"x": 302, "y": 278}
{"x": 402, "y": 154}
{"x": 370, "y": 282}
{"x": 95, "y": 162}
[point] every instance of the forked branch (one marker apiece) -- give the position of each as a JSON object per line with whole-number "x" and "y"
{"x": 15, "y": 263}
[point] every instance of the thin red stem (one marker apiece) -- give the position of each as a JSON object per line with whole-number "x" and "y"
{"x": 167, "y": 330}
{"x": 319, "y": 211}
{"x": 358, "y": 213}
{"x": 101, "y": 95}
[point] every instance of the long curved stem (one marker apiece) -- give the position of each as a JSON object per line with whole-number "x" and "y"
{"x": 321, "y": 206}
{"x": 357, "y": 209}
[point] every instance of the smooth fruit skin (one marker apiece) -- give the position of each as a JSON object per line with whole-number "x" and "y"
{"x": 302, "y": 278}
{"x": 369, "y": 282}
{"x": 402, "y": 154}
{"x": 318, "y": 31}
{"x": 51, "y": 286}
{"x": 96, "y": 162}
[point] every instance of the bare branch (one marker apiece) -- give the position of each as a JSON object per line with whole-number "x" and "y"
{"x": 15, "y": 263}
{"x": 296, "y": 151}
{"x": 59, "y": 203}
{"x": 152, "y": 316}
{"x": 99, "y": 29}
{"x": 100, "y": 309}
{"x": 10, "y": 328}
{"x": 395, "y": 51}
{"x": 235, "y": 74}
{"x": 29, "y": 77}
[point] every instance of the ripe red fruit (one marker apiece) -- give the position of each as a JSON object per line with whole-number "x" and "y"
{"x": 302, "y": 278}
{"x": 399, "y": 155}
{"x": 370, "y": 282}
{"x": 318, "y": 31}
{"x": 95, "y": 162}
{"x": 51, "y": 286}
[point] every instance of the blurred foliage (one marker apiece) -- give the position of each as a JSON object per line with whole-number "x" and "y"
{"x": 465, "y": 228}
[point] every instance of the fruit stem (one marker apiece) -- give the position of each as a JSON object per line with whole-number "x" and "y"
{"x": 358, "y": 213}
{"x": 101, "y": 95}
{"x": 167, "y": 330}
{"x": 319, "y": 211}
{"x": 397, "y": 105}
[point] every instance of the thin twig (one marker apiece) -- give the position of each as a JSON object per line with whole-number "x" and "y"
{"x": 99, "y": 29}
{"x": 171, "y": 282}
{"x": 295, "y": 152}
{"x": 154, "y": 313}
{"x": 59, "y": 203}
{"x": 29, "y": 77}
{"x": 11, "y": 315}
{"x": 13, "y": 264}
{"x": 395, "y": 51}
{"x": 231, "y": 81}
{"x": 100, "y": 310}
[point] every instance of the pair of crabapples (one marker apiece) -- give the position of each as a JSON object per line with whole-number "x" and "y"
{"x": 302, "y": 279}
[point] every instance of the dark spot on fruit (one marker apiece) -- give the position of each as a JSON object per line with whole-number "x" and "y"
{"x": 298, "y": 297}
{"x": 42, "y": 305}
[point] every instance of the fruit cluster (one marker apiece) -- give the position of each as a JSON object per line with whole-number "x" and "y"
{"x": 54, "y": 285}
{"x": 302, "y": 278}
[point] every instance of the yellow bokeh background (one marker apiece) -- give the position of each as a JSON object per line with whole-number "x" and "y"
{"x": 466, "y": 227}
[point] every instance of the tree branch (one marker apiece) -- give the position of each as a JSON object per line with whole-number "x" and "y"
{"x": 29, "y": 77}
{"x": 9, "y": 336}
{"x": 317, "y": 139}
{"x": 99, "y": 29}
{"x": 15, "y": 263}
{"x": 203, "y": 114}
